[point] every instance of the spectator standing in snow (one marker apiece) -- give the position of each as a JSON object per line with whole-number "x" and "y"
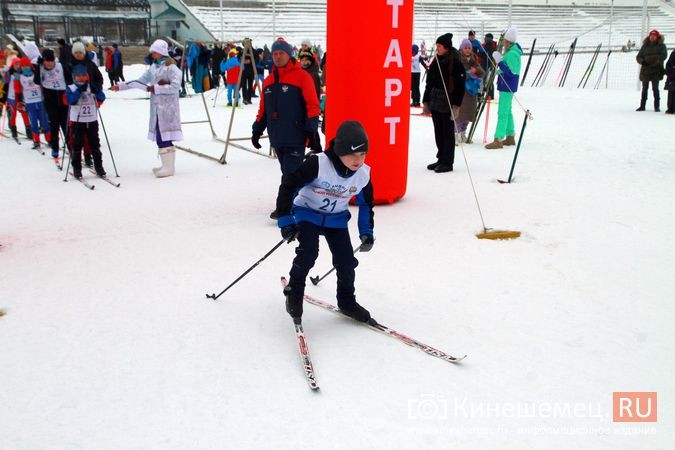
{"x": 418, "y": 61}
{"x": 64, "y": 52}
{"x": 444, "y": 90}
{"x": 474, "y": 75}
{"x": 308, "y": 63}
{"x": 489, "y": 45}
{"x": 118, "y": 63}
{"x": 508, "y": 75}
{"x": 289, "y": 110}
{"x": 651, "y": 56}
{"x": 162, "y": 80}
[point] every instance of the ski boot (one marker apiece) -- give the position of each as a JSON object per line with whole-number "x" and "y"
{"x": 293, "y": 304}
{"x": 355, "y": 311}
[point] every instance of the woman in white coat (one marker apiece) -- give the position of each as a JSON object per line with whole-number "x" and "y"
{"x": 162, "y": 80}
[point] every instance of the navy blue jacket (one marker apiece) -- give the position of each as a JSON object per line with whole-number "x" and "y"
{"x": 290, "y": 108}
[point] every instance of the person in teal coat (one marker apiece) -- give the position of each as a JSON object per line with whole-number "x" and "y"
{"x": 508, "y": 77}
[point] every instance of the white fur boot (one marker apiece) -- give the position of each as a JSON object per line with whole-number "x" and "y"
{"x": 168, "y": 156}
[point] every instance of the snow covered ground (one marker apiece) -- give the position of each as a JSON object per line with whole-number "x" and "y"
{"x": 110, "y": 343}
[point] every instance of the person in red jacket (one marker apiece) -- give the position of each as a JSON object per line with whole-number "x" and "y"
{"x": 289, "y": 110}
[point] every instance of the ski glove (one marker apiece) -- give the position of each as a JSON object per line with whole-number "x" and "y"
{"x": 289, "y": 232}
{"x": 367, "y": 242}
{"x": 497, "y": 57}
{"x": 82, "y": 87}
{"x": 255, "y": 140}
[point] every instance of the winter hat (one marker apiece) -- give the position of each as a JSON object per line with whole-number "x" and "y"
{"x": 445, "y": 40}
{"x": 305, "y": 54}
{"x": 306, "y": 42}
{"x": 489, "y": 37}
{"x": 14, "y": 61}
{"x": 472, "y": 33}
{"x": 114, "y": 45}
{"x": 79, "y": 69}
{"x": 161, "y": 47}
{"x": 511, "y": 35}
{"x": 281, "y": 44}
{"x": 61, "y": 42}
{"x": 48, "y": 55}
{"x": 78, "y": 47}
{"x": 415, "y": 49}
{"x": 25, "y": 62}
{"x": 465, "y": 44}
{"x": 350, "y": 138}
{"x": 655, "y": 32}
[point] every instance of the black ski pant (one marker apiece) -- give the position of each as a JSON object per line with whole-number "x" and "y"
{"x": 645, "y": 90}
{"x": 444, "y": 132}
{"x": 415, "y": 86}
{"x": 79, "y": 131}
{"x": 343, "y": 260}
{"x": 57, "y": 113}
{"x": 247, "y": 86}
{"x": 670, "y": 107}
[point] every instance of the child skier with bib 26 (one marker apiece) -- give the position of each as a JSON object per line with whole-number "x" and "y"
{"x": 325, "y": 183}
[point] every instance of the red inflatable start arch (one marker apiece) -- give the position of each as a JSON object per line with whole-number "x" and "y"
{"x": 368, "y": 79}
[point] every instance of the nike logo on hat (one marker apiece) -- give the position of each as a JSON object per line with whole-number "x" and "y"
{"x": 358, "y": 146}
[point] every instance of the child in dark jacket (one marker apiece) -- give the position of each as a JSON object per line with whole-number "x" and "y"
{"x": 325, "y": 183}
{"x": 84, "y": 102}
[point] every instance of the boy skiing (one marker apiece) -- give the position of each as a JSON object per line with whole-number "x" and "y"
{"x": 324, "y": 184}
{"x": 84, "y": 103}
{"x": 52, "y": 76}
{"x": 32, "y": 97}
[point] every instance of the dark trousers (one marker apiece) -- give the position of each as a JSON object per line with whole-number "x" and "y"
{"x": 290, "y": 159}
{"x": 247, "y": 86}
{"x": 415, "y": 87}
{"x": 670, "y": 107}
{"x": 645, "y": 89}
{"x": 78, "y": 133}
{"x": 58, "y": 118}
{"x": 343, "y": 260}
{"x": 444, "y": 132}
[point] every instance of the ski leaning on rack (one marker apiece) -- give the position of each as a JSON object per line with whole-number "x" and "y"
{"x": 374, "y": 325}
{"x": 483, "y": 98}
{"x": 305, "y": 357}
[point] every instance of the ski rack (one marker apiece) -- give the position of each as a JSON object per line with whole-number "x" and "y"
{"x": 228, "y": 140}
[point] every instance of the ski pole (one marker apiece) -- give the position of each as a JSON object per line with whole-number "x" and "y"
{"x": 3, "y": 121}
{"x": 106, "y": 139}
{"x": 215, "y": 297}
{"x": 520, "y": 139}
{"x": 316, "y": 280}
{"x": 487, "y": 120}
